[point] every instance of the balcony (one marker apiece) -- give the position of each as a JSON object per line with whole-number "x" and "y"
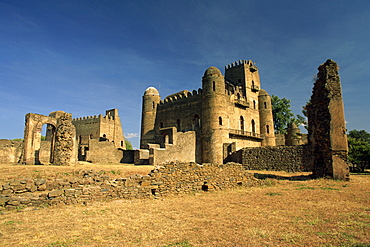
{"x": 253, "y": 68}
{"x": 243, "y": 133}
{"x": 255, "y": 88}
{"x": 241, "y": 103}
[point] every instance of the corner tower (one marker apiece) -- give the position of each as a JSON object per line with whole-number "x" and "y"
{"x": 151, "y": 99}
{"x": 214, "y": 99}
{"x": 266, "y": 118}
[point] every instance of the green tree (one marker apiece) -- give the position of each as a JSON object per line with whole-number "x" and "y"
{"x": 359, "y": 149}
{"x": 283, "y": 115}
{"x": 360, "y": 135}
{"x": 128, "y": 145}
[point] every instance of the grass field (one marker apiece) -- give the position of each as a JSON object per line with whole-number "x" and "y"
{"x": 285, "y": 213}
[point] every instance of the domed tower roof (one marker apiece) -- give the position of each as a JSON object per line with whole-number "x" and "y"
{"x": 263, "y": 93}
{"x": 151, "y": 91}
{"x": 212, "y": 71}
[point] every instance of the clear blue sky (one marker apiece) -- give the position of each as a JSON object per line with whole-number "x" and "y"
{"x": 85, "y": 57}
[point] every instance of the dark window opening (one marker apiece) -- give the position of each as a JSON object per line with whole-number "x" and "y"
{"x": 220, "y": 120}
{"x": 267, "y": 129}
{"x": 265, "y": 104}
{"x": 214, "y": 86}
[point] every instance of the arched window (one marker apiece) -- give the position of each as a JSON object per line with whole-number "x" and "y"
{"x": 220, "y": 121}
{"x": 267, "y": 129}
{"x": 253, "y": 126}
{"x": 178, "y": 124}
{"x": 214, "y": 86}
{"x": 265, "y": 104}
{"x": 254, "y": 104}
{"x": 241, "y": 123}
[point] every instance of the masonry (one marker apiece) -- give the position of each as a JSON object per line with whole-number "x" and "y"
{"x": 280, "y": 158}
{"x": 86, "y": 186}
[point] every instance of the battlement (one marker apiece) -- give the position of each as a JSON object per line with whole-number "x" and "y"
{"x": 94, "y": 118}
{"x": 180, "y": 96}
{"x": 242, "y": 63}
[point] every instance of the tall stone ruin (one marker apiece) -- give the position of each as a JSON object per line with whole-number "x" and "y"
{"x": 326, "y": 125}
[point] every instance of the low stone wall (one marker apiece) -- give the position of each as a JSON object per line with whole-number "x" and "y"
{"x": 279, "y": 158}
{"x": 88, "y": 186}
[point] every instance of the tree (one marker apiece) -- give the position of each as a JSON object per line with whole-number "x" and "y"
{"x": 128, "y": 145}
{"x": 359, "y": 149}
{"x": 283, "y": 115}
{"x": 360, "y": 135}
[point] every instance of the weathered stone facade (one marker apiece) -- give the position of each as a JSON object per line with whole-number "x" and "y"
{"x": 94, "y": 139}
{"x": 87, "y": 186}
{"x": 279, "y": 158}
{"x": 326, "y": 123}
{"x": 229, "y": 112}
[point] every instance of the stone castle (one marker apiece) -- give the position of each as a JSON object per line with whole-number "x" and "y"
{"x": 206, "y": 125}
{"x": 229, "y": 119}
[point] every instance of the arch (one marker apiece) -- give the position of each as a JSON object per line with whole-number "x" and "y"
{"x": 32, "y": 137}
{"x": 253, "y": 126}
{"x": 241, "y": 123}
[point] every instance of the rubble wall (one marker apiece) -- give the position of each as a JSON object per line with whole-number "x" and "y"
{"x": 88, "y": 186}
{"x": 279, "y": 158}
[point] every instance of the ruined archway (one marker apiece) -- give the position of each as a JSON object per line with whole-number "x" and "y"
{"x": 34, "y": 150}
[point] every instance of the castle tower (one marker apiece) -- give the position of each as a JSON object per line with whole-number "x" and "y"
{"x": 151, "y": 99}
{"x": 266, "y": 119}
{"x": 213, "y": 100}
{"x": 245, "y": 73}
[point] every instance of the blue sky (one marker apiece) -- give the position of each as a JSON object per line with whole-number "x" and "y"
{"x": 85, "y": 57}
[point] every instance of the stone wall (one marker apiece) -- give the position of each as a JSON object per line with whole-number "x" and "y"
{"x": 88, "y": 186}
{"x": 10, "y": 151}
{"x": 103, "y": 152}
{"x": 279, "y": 158}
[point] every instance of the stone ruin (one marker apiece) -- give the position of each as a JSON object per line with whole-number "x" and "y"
{"x": 60, "y": 139}
{"x": 325, "y": 155}
{"x": 326, "y": 125}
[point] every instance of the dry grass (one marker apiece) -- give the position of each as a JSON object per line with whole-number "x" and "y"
{"x": 287, "y": 213}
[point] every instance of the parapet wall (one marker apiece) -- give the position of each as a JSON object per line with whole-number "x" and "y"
{"x": 279, "y": 158}
{"x": 88, "y": 186}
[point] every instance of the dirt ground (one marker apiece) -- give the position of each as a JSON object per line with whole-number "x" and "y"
{"x": 291, "y": 211}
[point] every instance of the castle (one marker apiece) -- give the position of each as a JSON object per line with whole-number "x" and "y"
{"x": 206, "y": 125}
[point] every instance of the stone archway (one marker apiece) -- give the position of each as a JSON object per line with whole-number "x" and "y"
{"x": 34, "y": 151}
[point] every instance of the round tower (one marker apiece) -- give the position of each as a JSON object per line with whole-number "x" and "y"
{"x": 213, "y": 100}
{"x": 266, "y": 119}
{"x": 293, "y": 135}
{"x": 151, "y": 99}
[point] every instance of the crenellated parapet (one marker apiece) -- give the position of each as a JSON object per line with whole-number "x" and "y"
{"x": 93, "y": 119}
{"x": 247, "y": 63}
{"x": 182, "y": 97}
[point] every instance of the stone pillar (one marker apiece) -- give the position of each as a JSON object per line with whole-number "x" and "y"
{"x": 326, "y": 125}
{"x": 65, "y": 143}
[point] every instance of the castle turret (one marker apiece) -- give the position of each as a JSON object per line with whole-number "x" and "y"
{"x": 266, "y": 119}
{"x": 151, "y": 99}
{"x": 213, "y": 102}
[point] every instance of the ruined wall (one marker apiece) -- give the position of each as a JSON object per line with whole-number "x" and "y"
{"x": 88, "y": 186}
{"x": 279, "y": 158}
{"x": 103, "y": 152}
{"x": 10, "y": 151}
{"x": 326, "y": 123}
{"x": 65, "y": 142}
{"x": 183, "y": 149}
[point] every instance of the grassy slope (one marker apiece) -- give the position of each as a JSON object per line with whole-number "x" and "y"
{"x": 287, "y": 213}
